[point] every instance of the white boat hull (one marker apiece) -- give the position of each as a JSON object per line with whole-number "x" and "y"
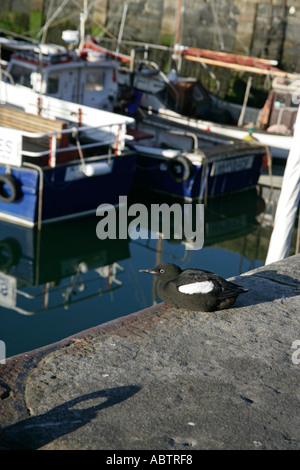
{"x": 278, "y": 144}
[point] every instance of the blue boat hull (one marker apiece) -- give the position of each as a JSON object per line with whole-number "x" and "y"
{"x": 152, "y": 172}
{"x": 64, "y": 196}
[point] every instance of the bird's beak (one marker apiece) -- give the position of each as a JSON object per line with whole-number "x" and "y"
{"x": 150, "y": 271}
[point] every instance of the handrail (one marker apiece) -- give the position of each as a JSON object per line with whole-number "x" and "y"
{"x": 73, "y": 130}
{"x": 187, "y": 134}
{"x": 27, "y": 153}
{"x": 68, "y": 130}
{"x": 8, "y": 75}
{"x": 162, "y": 75}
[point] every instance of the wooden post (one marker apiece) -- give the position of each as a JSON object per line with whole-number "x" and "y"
{"x": 243, "y": 110}
{"x": 178, "y": 21}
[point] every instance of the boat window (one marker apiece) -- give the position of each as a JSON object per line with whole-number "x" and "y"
{"x": 21, "y": 75}
{"x": 94, "y": 81}
{"x": 53, "y": 83}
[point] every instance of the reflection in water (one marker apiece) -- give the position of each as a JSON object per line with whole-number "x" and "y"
{"x": 66, "y": 258}
{"x": 63, "y": 279}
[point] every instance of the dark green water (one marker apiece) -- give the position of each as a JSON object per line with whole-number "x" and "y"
{"x": 67, "y": 280}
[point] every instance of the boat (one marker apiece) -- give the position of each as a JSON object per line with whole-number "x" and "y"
{"x": 272, "y": 125}
{"x": 46, "y": 68}
{"x": 185, "y": 100}
{"x": 119, "y": 82}
{"x": 192, "y": 164}
{"x": 58, "y": 159}
{"x": 89, "y": 75}
{"x": 81, "y": 76}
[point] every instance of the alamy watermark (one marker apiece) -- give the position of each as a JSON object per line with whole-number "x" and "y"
{"x": 177, "y": 221}
{"x": 2, "y": 352}
{"x": 296, "y": 354}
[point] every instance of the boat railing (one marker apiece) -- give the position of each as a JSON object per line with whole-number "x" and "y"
{"x": 7, "y": 74}
{"x": 192, "y": 135}
{"x": 163, "y": 77}
{"x": 107, "y": 136}
{"x": 79, "y": 289}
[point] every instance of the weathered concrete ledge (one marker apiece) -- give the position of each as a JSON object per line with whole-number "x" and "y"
{"x": 167, "y": 379}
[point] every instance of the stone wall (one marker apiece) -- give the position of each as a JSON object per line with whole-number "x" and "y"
{"x": 263, "y": 28}
{"x": 266, "y": 28}
{"x": 143, "y": 19}
{"x": 14, "y": 15}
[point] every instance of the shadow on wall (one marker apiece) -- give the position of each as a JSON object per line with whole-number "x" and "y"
{"x": 37, "y": 431}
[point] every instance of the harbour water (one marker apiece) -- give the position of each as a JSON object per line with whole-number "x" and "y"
{"x": 63, "y": 279}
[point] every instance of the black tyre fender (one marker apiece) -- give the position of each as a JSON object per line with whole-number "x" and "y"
{"x": 10, "y": 252}
{"x": 14, "y": 188}
{"x": 186, "y": 168}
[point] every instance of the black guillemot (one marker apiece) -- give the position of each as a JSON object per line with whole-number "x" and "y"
{"x": 194, "y": 289}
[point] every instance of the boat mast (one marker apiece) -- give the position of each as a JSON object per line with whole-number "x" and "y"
{"x": 177, "y": 39}
{"x": 124, "y": 14}
{"x": 83, "y": 18}
{"x": 178, "y": 21}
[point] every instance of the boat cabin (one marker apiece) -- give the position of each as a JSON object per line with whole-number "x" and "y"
{"x": 85, "y": 78}
{"x": 189, "y": 97}
{"x": 280, "y": 110}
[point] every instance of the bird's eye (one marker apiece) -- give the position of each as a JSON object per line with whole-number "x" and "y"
{"x": 161, "y": 271}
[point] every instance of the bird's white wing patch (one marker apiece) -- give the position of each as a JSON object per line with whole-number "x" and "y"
{"x": 197, "y": 288}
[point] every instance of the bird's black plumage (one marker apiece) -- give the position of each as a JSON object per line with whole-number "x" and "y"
{"x": 194, "y": 289}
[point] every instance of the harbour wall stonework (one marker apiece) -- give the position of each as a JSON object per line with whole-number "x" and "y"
{"x": 263, "y": 28}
